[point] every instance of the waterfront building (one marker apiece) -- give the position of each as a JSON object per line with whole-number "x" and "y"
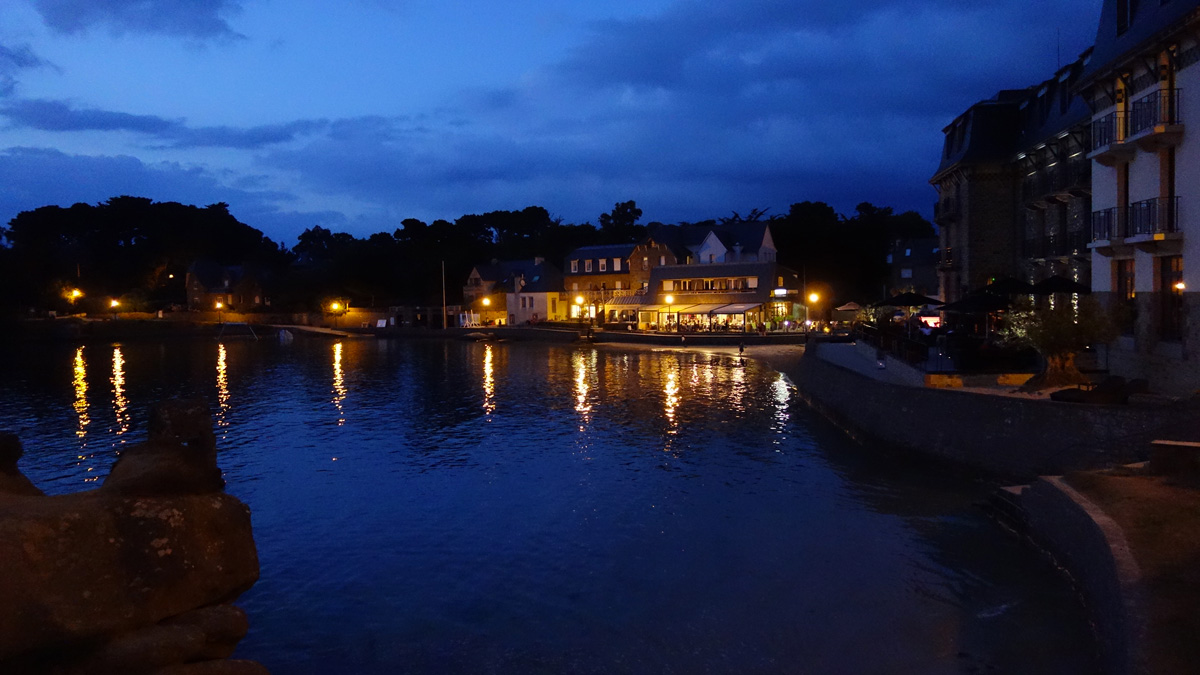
{"x": 1143, "y": 86}
{"x": 514, "y": 292}
{"x": 235, "y": 287}
{"x": 733, "y": 296}
{"x": 599, "y": 280}
{"x": 1014, "y": 188}
{"x": 707, "y": 244}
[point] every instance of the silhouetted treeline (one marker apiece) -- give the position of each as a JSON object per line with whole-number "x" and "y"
{"x": 139, "y": 250}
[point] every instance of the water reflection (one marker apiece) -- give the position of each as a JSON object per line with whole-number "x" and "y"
{"x": 489, "y": 382}
{"x": 80, "y": 404}
{"x": 671, "y": 388}
{"x": 120, "y": 403}
{"x": 782, "y": 395}
{"x": 582, "y": 406}
{"x": 222, "y": 388}
{"x": 339, "y": 383}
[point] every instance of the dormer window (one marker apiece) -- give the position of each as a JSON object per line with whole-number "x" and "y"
{"x": 1125, "y": 10}
{"x": 587, "y": 265}
{"x": 604, "y": 264}
{"x": 574, "y": 267}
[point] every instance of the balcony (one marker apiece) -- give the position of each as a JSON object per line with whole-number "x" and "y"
{"x": 1154, "y": 219}
{"x": 1108, "y": 139}
{"x": 1155, "y": 121}
{"x": 1106, "y": 231}
{"x": 945, "y": 209}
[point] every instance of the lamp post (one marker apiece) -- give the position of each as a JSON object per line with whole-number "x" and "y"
{"x": 670, "y": 299}
{"x": 813, "y": 298}
{"x": 579, "y": 308}
{"x": 334, "y": 308}
{"x": 220, "y": 307}
{"x": 114, "y": 304}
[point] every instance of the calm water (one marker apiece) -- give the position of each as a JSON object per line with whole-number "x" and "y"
{"x": 433, "y": 507}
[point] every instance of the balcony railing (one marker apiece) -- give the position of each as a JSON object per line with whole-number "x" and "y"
{"x": 1104, "y": 225}
{"x": 1108, "y": 130}
{"x": 1154, "y": 216}
{"x": 1158, "y": 107}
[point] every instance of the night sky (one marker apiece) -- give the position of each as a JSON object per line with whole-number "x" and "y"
{"x": 357, "y": 114}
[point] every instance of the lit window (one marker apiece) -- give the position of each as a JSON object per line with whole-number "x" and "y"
{"x": 574, "y": 267}
{"x": 616, "y": 264}
{"x": 604, "y": 264}
{"x": 645, "y": 263}
{"x": 587, "y": 265}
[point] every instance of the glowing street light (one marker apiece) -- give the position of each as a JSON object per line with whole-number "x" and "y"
{"x": 114, "y": 304}
{"x": 487, "y": 302}
{"x": 335, "y": 308}
{"x": 1179, "y": 286}
{"x": 220, "y": 306}
{"x": 76, "y": 294}
{"x": 670, "y": 300}
{"x": 813, "y": 298}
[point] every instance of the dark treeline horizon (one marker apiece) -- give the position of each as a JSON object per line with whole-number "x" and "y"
{"x": 140, "y": 250}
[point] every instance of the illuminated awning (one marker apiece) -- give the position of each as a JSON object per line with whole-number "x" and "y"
{"x": 630, "y": 301}
{"x": 738, "y": 308}
{"x": 700, "y": 309}
{"x": 652, "y": 308}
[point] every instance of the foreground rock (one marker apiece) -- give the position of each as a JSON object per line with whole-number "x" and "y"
{"x": 134, "y": 577}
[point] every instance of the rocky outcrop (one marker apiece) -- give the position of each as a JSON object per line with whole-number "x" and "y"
{"x": 135, "y": 577}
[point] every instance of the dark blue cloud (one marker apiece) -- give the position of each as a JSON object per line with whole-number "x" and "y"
{"x": 187, "y": 18}
{"x": 14, "y": 60}
{"x": 60, "y": 116}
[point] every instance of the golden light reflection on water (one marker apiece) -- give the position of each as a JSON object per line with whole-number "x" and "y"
{"x": 120, "y": 403}
{"x": 222, "y": 387}
{"x": 81, "y": 404}
{"x": 582, "y": 406}
{"x": 489, "y": 382}
{"x": 783, "y": 396}
{"x": 671, "y": 388}
{"x": 339, "y": 383}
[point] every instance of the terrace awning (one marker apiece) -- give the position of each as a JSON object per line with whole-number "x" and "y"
{"x": 630, "y": 301}
{"x": 700, "y": 309}
{"x": 739, "y": 308}
{"x": 652, "y": 308}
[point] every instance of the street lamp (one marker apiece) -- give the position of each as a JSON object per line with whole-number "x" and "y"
{"x": 114, "y": 304}
{"x": 670, "y": 300}
{"x": 220, "y": 306}
{"x": 334, "y": 308}
{"x": 813, "y": 298}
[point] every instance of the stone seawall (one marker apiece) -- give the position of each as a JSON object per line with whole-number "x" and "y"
{"x": 1093, "y": 550}
{"x": 136, "y": 577}
{"x": 1015, "y": 437}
